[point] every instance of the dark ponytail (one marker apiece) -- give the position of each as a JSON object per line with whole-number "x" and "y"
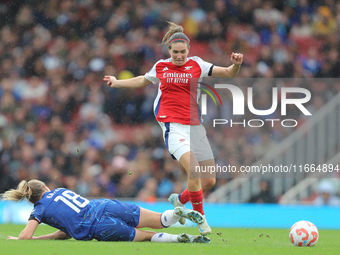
{"x": 175, "y": 34}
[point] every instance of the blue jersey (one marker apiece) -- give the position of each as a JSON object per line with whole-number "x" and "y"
{"x": 65, "y": 210}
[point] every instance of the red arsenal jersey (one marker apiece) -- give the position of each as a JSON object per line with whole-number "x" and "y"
{"x": 176, "y": 101}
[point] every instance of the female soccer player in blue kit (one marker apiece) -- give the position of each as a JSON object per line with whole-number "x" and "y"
{"x": 178, "y": 117}
{"x": 100, "y": 219}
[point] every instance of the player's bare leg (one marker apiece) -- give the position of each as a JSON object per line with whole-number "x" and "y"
{"x": 149, "y": 219}
{"x": 143, "y": 235}
{"x": 209, "y": 179}
{"x": 189, "y": 163}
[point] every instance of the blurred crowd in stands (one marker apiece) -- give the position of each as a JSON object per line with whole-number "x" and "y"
{"x": 60, "y": 123}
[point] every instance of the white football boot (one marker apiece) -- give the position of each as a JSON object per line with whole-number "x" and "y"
{"x": 173, "y": 199}
{"x": 203, "y": 227}
{"x": 186, "y": 238}
{"x": 192, "y": 215}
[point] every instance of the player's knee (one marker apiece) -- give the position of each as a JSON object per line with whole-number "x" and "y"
{"x": 208, "y": 184}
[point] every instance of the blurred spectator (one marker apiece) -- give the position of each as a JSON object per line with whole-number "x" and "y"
{"x": 327, "y": 194}
{"x": 303, "y": 28}
{"x": 311, "y": 63}
{"x": 265, "y": 196}
{"x": 267, "y": 13}
{"x": 324, "y": 24}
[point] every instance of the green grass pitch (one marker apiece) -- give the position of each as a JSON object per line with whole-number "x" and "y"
{"x": 230, "y": 241}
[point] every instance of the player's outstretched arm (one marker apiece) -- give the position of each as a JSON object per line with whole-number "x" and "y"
{"x": 58, "y": 235}
{"x": 28, "y": 231}
{"x": 136, "y": 82}
{"x": 231, "y": 71}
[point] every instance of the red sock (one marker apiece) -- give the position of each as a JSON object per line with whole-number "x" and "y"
{"x": 184, "y": 197}
{"x": 196, "y": 198}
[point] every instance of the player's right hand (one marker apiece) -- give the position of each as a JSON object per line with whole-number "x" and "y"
{"x": 111, "y": 80}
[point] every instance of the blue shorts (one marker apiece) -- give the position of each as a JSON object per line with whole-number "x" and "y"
{"x": 118, "y": 222}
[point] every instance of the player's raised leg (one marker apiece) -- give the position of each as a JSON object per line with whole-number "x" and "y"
{"x": 160, "y": 220}
{"x": 209, "y": 179}
{"x": 207, "y": 183}
{"x": 189, "y": 162}
{"x": 150, "y": 219}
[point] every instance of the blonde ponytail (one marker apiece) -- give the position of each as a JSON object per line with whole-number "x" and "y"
{"x": 31, "y": 190}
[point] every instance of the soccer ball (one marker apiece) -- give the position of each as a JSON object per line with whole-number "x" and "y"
{"x": 303, "y": 233}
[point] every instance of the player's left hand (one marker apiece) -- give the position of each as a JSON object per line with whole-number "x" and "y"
{"x": 236, "y": 58}
{"x": 12, "y": 238}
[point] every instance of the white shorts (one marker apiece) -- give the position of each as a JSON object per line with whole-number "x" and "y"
{"x": 177, "y": 140}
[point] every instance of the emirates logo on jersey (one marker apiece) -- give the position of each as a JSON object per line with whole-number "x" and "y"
{"x": 177, "y": 75}
{"x": 179, "y": 78}
{"x": 187, "y": 68}
{"x": 181, "y": 140}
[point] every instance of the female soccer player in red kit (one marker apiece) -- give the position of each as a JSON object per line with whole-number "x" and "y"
{"x": 172, "y": 111}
